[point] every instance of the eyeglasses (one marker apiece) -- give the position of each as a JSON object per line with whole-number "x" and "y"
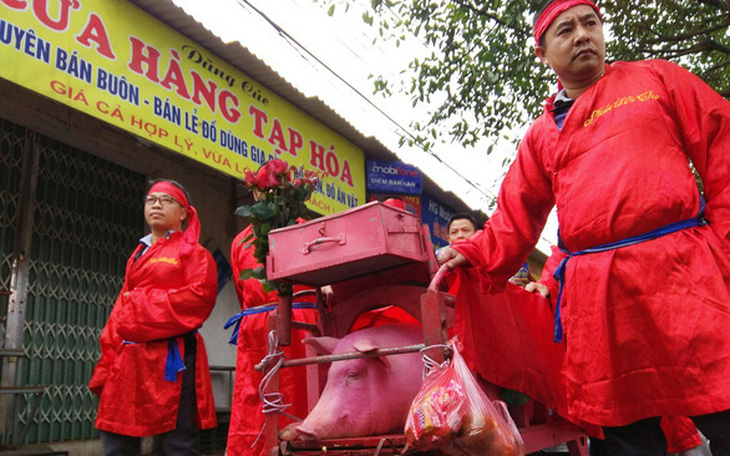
{"x": 151, "y": 200}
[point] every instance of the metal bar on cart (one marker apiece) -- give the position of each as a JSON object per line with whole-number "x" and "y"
{"x": 311, "y": 327}
{"x": 351, "y": 355}
{"x": 346, "y": 445}
{"x": 284, "y": 328}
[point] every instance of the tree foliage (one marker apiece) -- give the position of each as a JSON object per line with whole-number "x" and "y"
{"x": 481, "y": 77}
{"x": 695, "y": 34}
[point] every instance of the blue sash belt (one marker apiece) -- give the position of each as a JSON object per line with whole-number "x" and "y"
{"x": 174, "y": 363}
{"x": 236, "y": 319}
{"x": 559, "y": 273}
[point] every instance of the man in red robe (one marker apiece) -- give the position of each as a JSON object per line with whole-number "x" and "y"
{"x": 647, "y": 336}
{"x": 153, "y": 376}
{"x": 247, "y": 418}
{"x": 680, "y": 431}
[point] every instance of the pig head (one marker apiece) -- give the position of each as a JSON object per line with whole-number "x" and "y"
{"x": 365, "y": 396}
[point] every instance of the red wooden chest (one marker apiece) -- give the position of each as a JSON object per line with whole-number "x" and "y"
{"x": 350, "y": 244}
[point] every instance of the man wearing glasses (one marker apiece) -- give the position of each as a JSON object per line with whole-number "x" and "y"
{"x": 153, "y": 377}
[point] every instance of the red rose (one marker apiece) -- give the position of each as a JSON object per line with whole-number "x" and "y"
{"x": 262, "y": 178}
{"x": 250, "y": 179}
{"x": 270, "y": 175}
{"x": 274, "y": 180}
{"x": 277, "y": 166}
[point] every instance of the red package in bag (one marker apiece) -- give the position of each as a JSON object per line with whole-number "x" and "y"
{"x": 451, "y": 413}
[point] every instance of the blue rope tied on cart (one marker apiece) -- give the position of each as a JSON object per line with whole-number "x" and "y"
{"x": 236, "y": 319}
{"x": 559, "y": 273}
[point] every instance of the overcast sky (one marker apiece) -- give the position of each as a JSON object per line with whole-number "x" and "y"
{"x": 323, "y": 52}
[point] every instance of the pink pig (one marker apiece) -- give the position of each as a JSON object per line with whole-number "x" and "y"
{"x": 365, "y": 396}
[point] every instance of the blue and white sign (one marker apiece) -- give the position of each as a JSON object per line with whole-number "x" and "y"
{"x": 392, "y": 177}
{"x": 436, "y": 215}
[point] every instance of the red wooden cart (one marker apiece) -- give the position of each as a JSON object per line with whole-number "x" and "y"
{"x": 375, "y": 256}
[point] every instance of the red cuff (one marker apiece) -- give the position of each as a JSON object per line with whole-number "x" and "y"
{"x": 470, "y": 251}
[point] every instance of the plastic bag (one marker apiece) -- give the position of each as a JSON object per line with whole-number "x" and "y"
{"x": 451, "y": 413}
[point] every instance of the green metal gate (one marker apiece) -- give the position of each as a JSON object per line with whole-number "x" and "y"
{"x": 12, "y": 140}
{"x": 86, "y": 218}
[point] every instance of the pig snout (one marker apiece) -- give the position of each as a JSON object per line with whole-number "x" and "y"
{"x": 289, "y": 432}
{"x": 320, "y": 425}
{"x": 306, "y": 434}
{"x": 326, "y": 419}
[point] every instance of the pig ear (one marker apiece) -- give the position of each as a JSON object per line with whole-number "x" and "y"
{"x": 364, "y": 346}
{"x": 324, "y": 345}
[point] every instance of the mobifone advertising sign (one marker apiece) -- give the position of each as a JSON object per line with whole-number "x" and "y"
{"x": 392, "y": 177}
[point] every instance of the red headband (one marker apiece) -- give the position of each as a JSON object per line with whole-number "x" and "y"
{"x": 555, "y": 9}
{"x": 172, "y": 190}
{"x": 192, "y": 234}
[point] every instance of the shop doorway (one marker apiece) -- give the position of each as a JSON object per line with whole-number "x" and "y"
{"x": 68, "y": 221}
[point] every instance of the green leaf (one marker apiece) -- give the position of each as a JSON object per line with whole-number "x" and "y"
{"x": 243, "y": 211}
{"x": 268, "y": 286}
{"x": 254, "y": 273}
{"x": 300, "y": 194}
{"x": 246, "y": 239}
{"x": 262, "y": 210}
{"x": 260, "y": 250}
{"x": 265, "y": 228}
{"x": 259, "y": 272}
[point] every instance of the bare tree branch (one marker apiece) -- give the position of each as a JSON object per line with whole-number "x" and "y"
{"x": 674, "y": 53}
{"x": 687, "y": 36}
{"x": 717, "y": 66}
{"x": 724, "y": 5}
{"x": 715, "y": 46}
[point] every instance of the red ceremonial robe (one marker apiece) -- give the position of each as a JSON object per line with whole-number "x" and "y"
{"x": 680, "y": 431}
{"x": 247, "y": 418}
{"x": 645, "y": 325}
{"x": 164, "y": 295}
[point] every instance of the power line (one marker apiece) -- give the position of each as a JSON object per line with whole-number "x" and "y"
{"x": 287, "y": 37}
